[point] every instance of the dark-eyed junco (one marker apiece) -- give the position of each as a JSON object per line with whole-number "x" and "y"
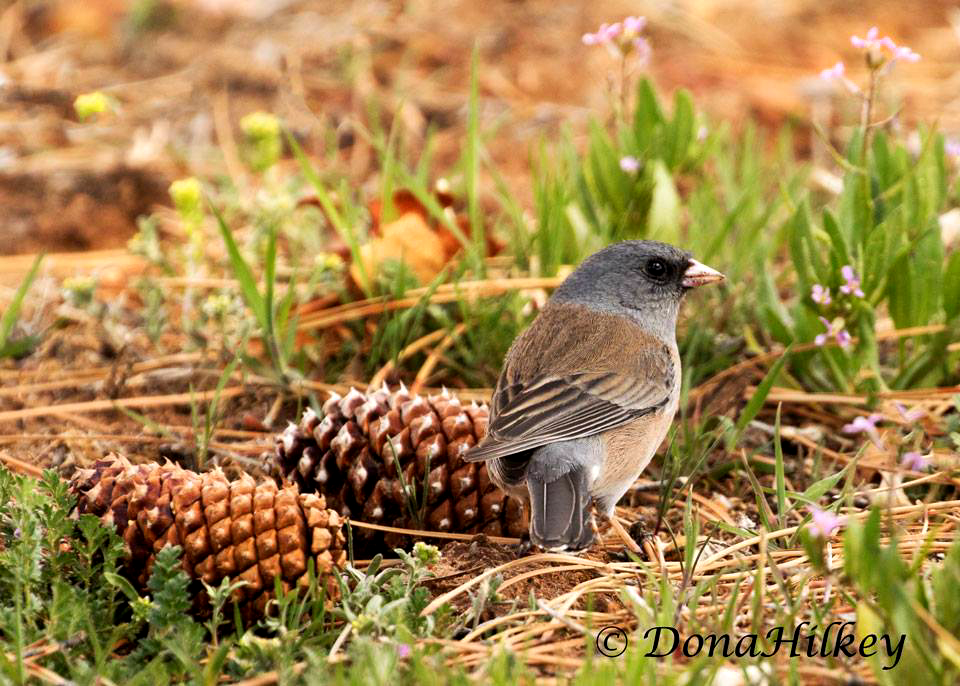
{"x": 588, "y": 391}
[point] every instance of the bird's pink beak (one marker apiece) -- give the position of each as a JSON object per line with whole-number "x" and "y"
{"x": 698, "y": 274}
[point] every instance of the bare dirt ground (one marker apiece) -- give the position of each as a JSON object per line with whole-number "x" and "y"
{"x": 183, "y": 78}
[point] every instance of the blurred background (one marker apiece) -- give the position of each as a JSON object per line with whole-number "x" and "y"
{"x": 180, "y": 75}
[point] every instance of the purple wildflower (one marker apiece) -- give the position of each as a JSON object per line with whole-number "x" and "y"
{"x": 605, "y": 34}
{"x": 823, "y": 522}
{"x": 915, "y": 462}
{"x": 838, "y": 73}
{"x": 633, "y": 25}
{"x": 867, "y": 425}
{"x": 834, "y": 72}
{"x": 403, "y": 650}
{"x": 952, "y": 148}
{"x": 702, "y": 134}
{"x": 833, "y": 329}
{"x": 612, "y": 31}
{"x": 641, "y": 47}
{"x": 910, "y": 416}
{"x": 899, "y": 52}
{"x": 622, "y": 38}
{"x": 629, "y": 164}
{"x": 870, "y": 42}
{"x": 873, "y": 45}
{"x": 861, "y": 424}
{"x": 822, "y": 338}
{"x": 820, "y": 295}
{"x": 852, "y": 285}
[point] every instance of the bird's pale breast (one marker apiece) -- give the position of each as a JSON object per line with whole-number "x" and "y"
{"x": 629, "y": 448}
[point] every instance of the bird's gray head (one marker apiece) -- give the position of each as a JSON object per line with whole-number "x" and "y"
{"x": 645, "y": 280}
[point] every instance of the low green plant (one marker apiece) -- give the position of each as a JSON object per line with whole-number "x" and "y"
{"x": 274, "y": 315}
{"x": 896, "y": 598}
{"x": 205, "y": 423}
{"x": 10, "y": 347}
{"x": 52, "y": 568}
{"x": 387, "y": 602}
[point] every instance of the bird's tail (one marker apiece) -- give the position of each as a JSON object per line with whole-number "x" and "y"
{"x": 560, "y": 511}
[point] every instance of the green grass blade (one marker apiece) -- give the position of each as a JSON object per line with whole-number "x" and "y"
{"x": 9, "y": 317}
{"x": 760, "y": 395}
{"x": 148, "y": 423}
{"x": 781, "y": 487}
{"x": 763, "y": 507}
{"x": 269, "y": 309}
{"x": 336, "y": 219}
{"x": 434, "y": 209}
{"x": 242, "y": 272}
{"x": 270, "y": 276}
{"x": 222, "y": 383}
{"x": 388, "y": 172}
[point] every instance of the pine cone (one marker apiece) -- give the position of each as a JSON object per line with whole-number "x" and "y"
{"x": 351, "y": 456}
{"x": 247, "y": 531}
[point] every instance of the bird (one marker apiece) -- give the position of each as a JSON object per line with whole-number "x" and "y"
{"x": 588, "y": 391}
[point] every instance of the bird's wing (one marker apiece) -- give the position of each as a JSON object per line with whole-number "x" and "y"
{"x": 562, "y": 408}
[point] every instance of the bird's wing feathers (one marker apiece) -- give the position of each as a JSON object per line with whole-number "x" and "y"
{"x": 575, "y": 373}
{"x": 551, "y": 409}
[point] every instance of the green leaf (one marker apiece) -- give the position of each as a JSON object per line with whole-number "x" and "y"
{"x": 647, "y": 117}
{"x": 763, "y": 508}
{"x": 242, "y": 272}
{"x": 879, "y": 245}
{"x": 818, "y": 488}
{"x": 19, "y": 347}
{"x": 840, "y": 251}
{"x": 882, "y": 162}
{"x": 9, "y": 317}
{"x": 800, "y": 241}
{"x": 680, "y": 132}
{"x": 951, "y": 286}
{"x": 914, "y": 281}
{"x": 333, "y": 215}
{"x": 780, "y": 480}
{"x": 270, "y": 277}
{"x": 123, "y": 585}
{"x": 664, "y": 218}
{"x": 610, "y": 186}
{"x": 774, "y": 320}
{"x": 946, "y": 581}
{"x": 760, "y": 395}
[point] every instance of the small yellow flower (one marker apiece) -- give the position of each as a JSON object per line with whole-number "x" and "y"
{"x": 79, "y": 283}
{"x": 187, "y": 196}
{"x": 217, "y": 306}
{"x": 264, "y": 144}
{"x": 258, "y": 125}
{"x": 329, "y": 261}
{"x": 88, "y": 105}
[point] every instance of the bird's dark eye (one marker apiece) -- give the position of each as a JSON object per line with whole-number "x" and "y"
{"x": 656, "y": 269}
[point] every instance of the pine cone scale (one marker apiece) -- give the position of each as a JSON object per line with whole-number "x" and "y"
{"x": 247, "y": 531}
{"x": 380, "y": 457}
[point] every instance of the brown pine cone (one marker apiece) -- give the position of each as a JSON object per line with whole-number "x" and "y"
{"x": 247, "y": 531}
{"x": 351, "y": 457}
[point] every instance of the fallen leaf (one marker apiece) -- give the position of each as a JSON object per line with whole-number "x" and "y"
{"x": 404, "y": 202}
{"x": 408, "y": 239}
